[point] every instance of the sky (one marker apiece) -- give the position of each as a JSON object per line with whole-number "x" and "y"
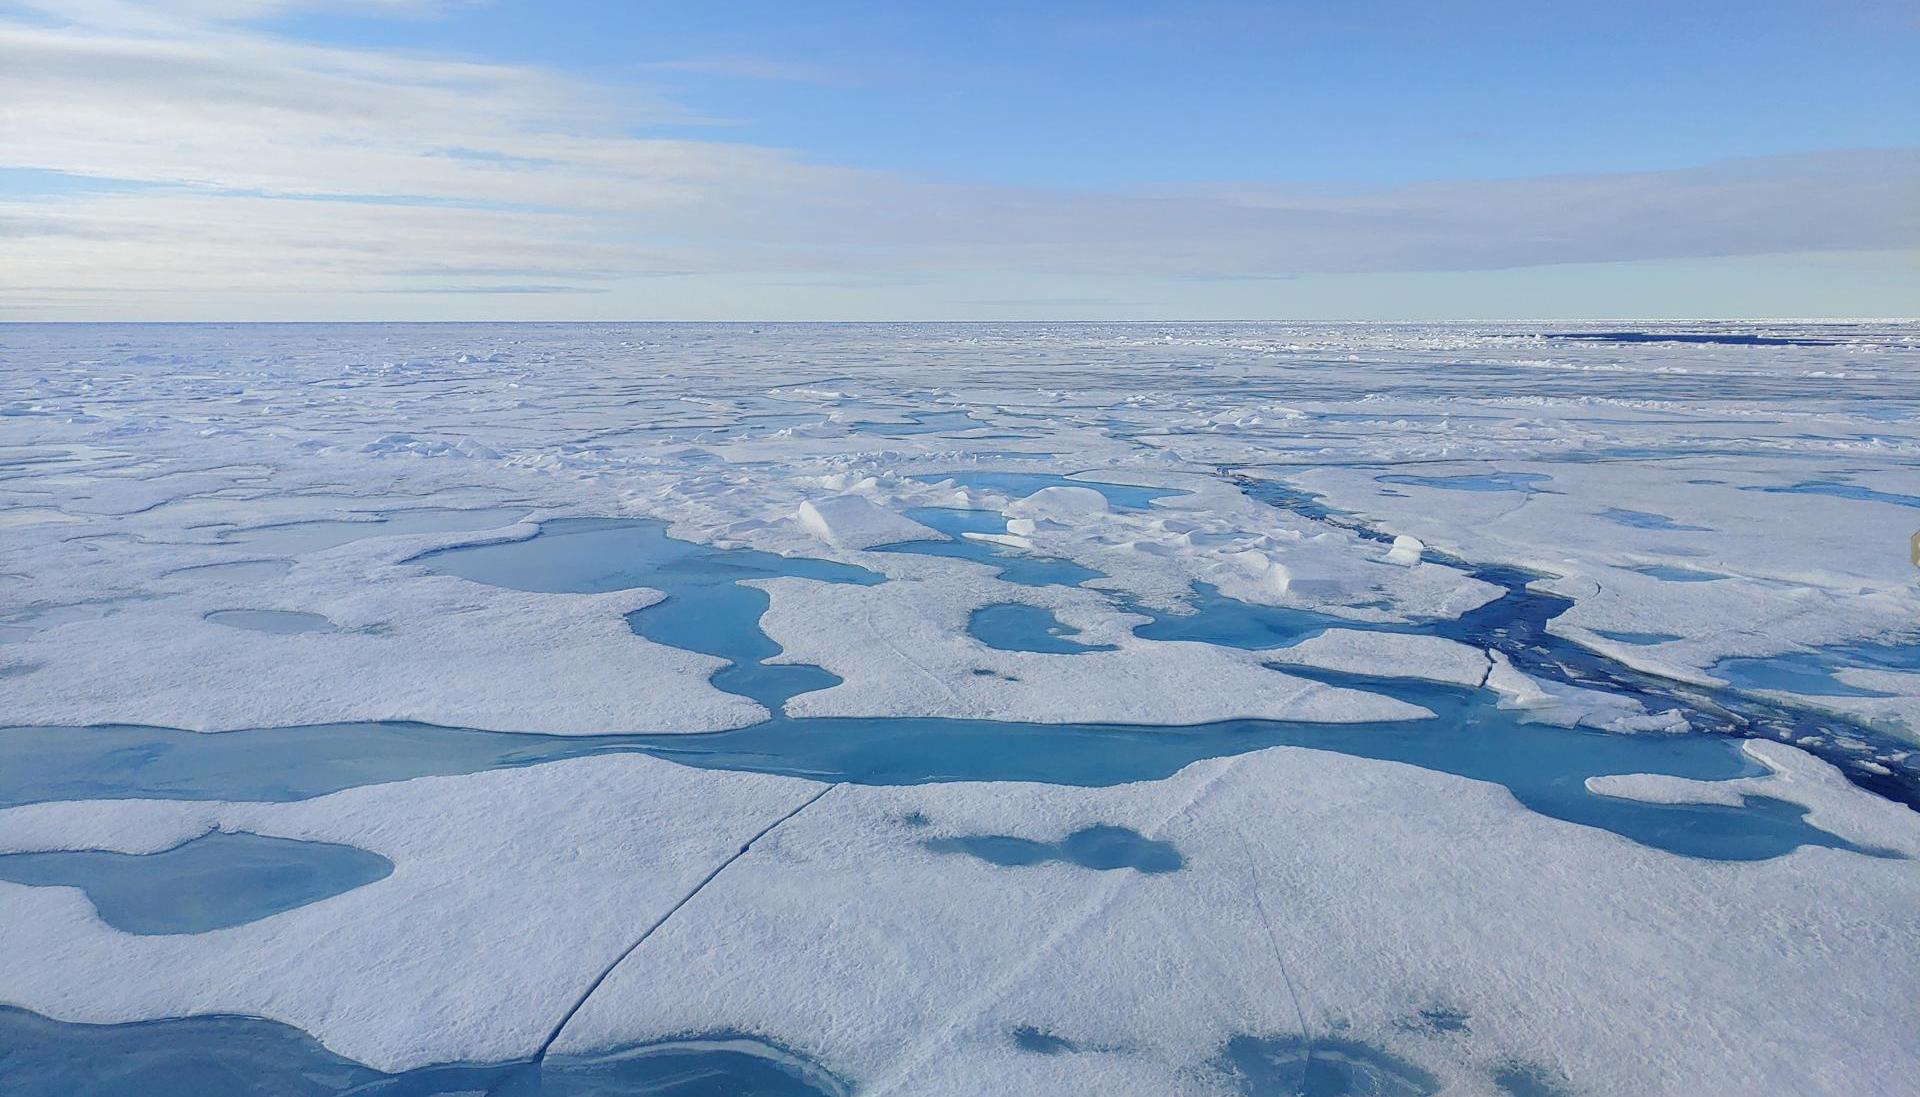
{"x": 603, "y": 160}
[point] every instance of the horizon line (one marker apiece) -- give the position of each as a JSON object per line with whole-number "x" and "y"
{"x": 977, "y": 321}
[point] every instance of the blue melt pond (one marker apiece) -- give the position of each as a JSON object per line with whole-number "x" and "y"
{"x": 1638, "y": 639}
{"x": 1484, "y": 481}
{"x": 1015, "y": 626}
{"x": 230, "y": 1056}
{"x": 1523, "y": 1080}
{"x": 1019, "y": 485}
{"x": 705, "y": 609}
{"x": 1544, "y": 767}
{"x": 1104, "y": 848}
{"x": 1846, "y": 491}
{"x": 1040, "y": 1042}
{"x": 1013, "y": 565}
{"x": 1470, "y": 736}
{"x": 279, "y": 622}
{"x": 1812, "y": 672}
{"x": 1669, "y": 573}
{"x": 1292, "y": 1066}
{"x": 1229, "y": 622}
{"x": 212, "y": 882}
{"x": 1646, "y": 519}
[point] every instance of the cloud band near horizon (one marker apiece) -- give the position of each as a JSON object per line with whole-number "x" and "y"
{"x": 195, "y": 159}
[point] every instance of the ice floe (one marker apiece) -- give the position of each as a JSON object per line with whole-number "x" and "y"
{"x": 1169, "y": 708}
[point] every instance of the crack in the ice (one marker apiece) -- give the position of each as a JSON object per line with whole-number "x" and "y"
{"x": 580, "y": 1002}
{"x": 1273, "y": 944}
{"x": 1737, "y": 714}
{"x": 873, "y": 630}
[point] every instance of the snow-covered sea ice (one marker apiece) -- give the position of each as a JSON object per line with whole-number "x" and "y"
{"x": 1223, "y": 709}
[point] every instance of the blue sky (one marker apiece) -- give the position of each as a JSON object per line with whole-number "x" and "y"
{"x": 579, "y": 159}
{"x": 1085, "y": 94}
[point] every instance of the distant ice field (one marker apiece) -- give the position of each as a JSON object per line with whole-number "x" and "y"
{"x": 1226, "y": 709}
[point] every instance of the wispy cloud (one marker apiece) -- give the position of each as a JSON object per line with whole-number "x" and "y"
{"x": 180, "y": 15}
{"x": 244, "y": 161}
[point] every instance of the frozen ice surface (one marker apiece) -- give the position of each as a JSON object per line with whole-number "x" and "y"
{"x": 403, "y": 645}
{"x": 1387, "y": 655}
{"x": 509, "y": 891}
{"x": 856, "y": 910}
{"x": 906, "y": 558}
{"x": 850, "y": 521}
{"x": 902, "y": 649}
{"x": 1406, "y": 550}
{"x": 1375, "y": 892}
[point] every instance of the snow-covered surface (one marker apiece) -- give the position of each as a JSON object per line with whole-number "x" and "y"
{"x": 1572, "y": 706}
{"x": 1386, "y": 891}
{"x": 406, "y": 646}
{"x": 903, "y": 650}
{"x": 855, "y": 522}
{"x": 1832, "y": 803}
{"x": 1690, "y": 503}
{"x": 1373, "y": 891}
{"x": 1388, "y": 655}
{"x": 510, "y": 891}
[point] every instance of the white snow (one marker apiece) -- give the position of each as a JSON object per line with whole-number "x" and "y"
{"x": 1570, "y": 706}
{"x": 1060, "y": 504}
{"x": 854, "y": 522}
{"x": 1387, "y": 654}
{"x": 1405, "y": 551}
{"x": 407, "y": 646}
{"x": 1833, "y": 803}
{"x": 1385, "y": 891}
{"x": 510, "y": 891}
{"x": 1320, "y": 893}
{"x": 903, "y": 650}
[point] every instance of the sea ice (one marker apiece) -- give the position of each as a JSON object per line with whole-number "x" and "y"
{"x": 1471, "y": 566}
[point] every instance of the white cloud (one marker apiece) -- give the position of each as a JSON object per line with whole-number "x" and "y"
{"x": 269, "y": 165}
{"x": 176, "y": 16}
